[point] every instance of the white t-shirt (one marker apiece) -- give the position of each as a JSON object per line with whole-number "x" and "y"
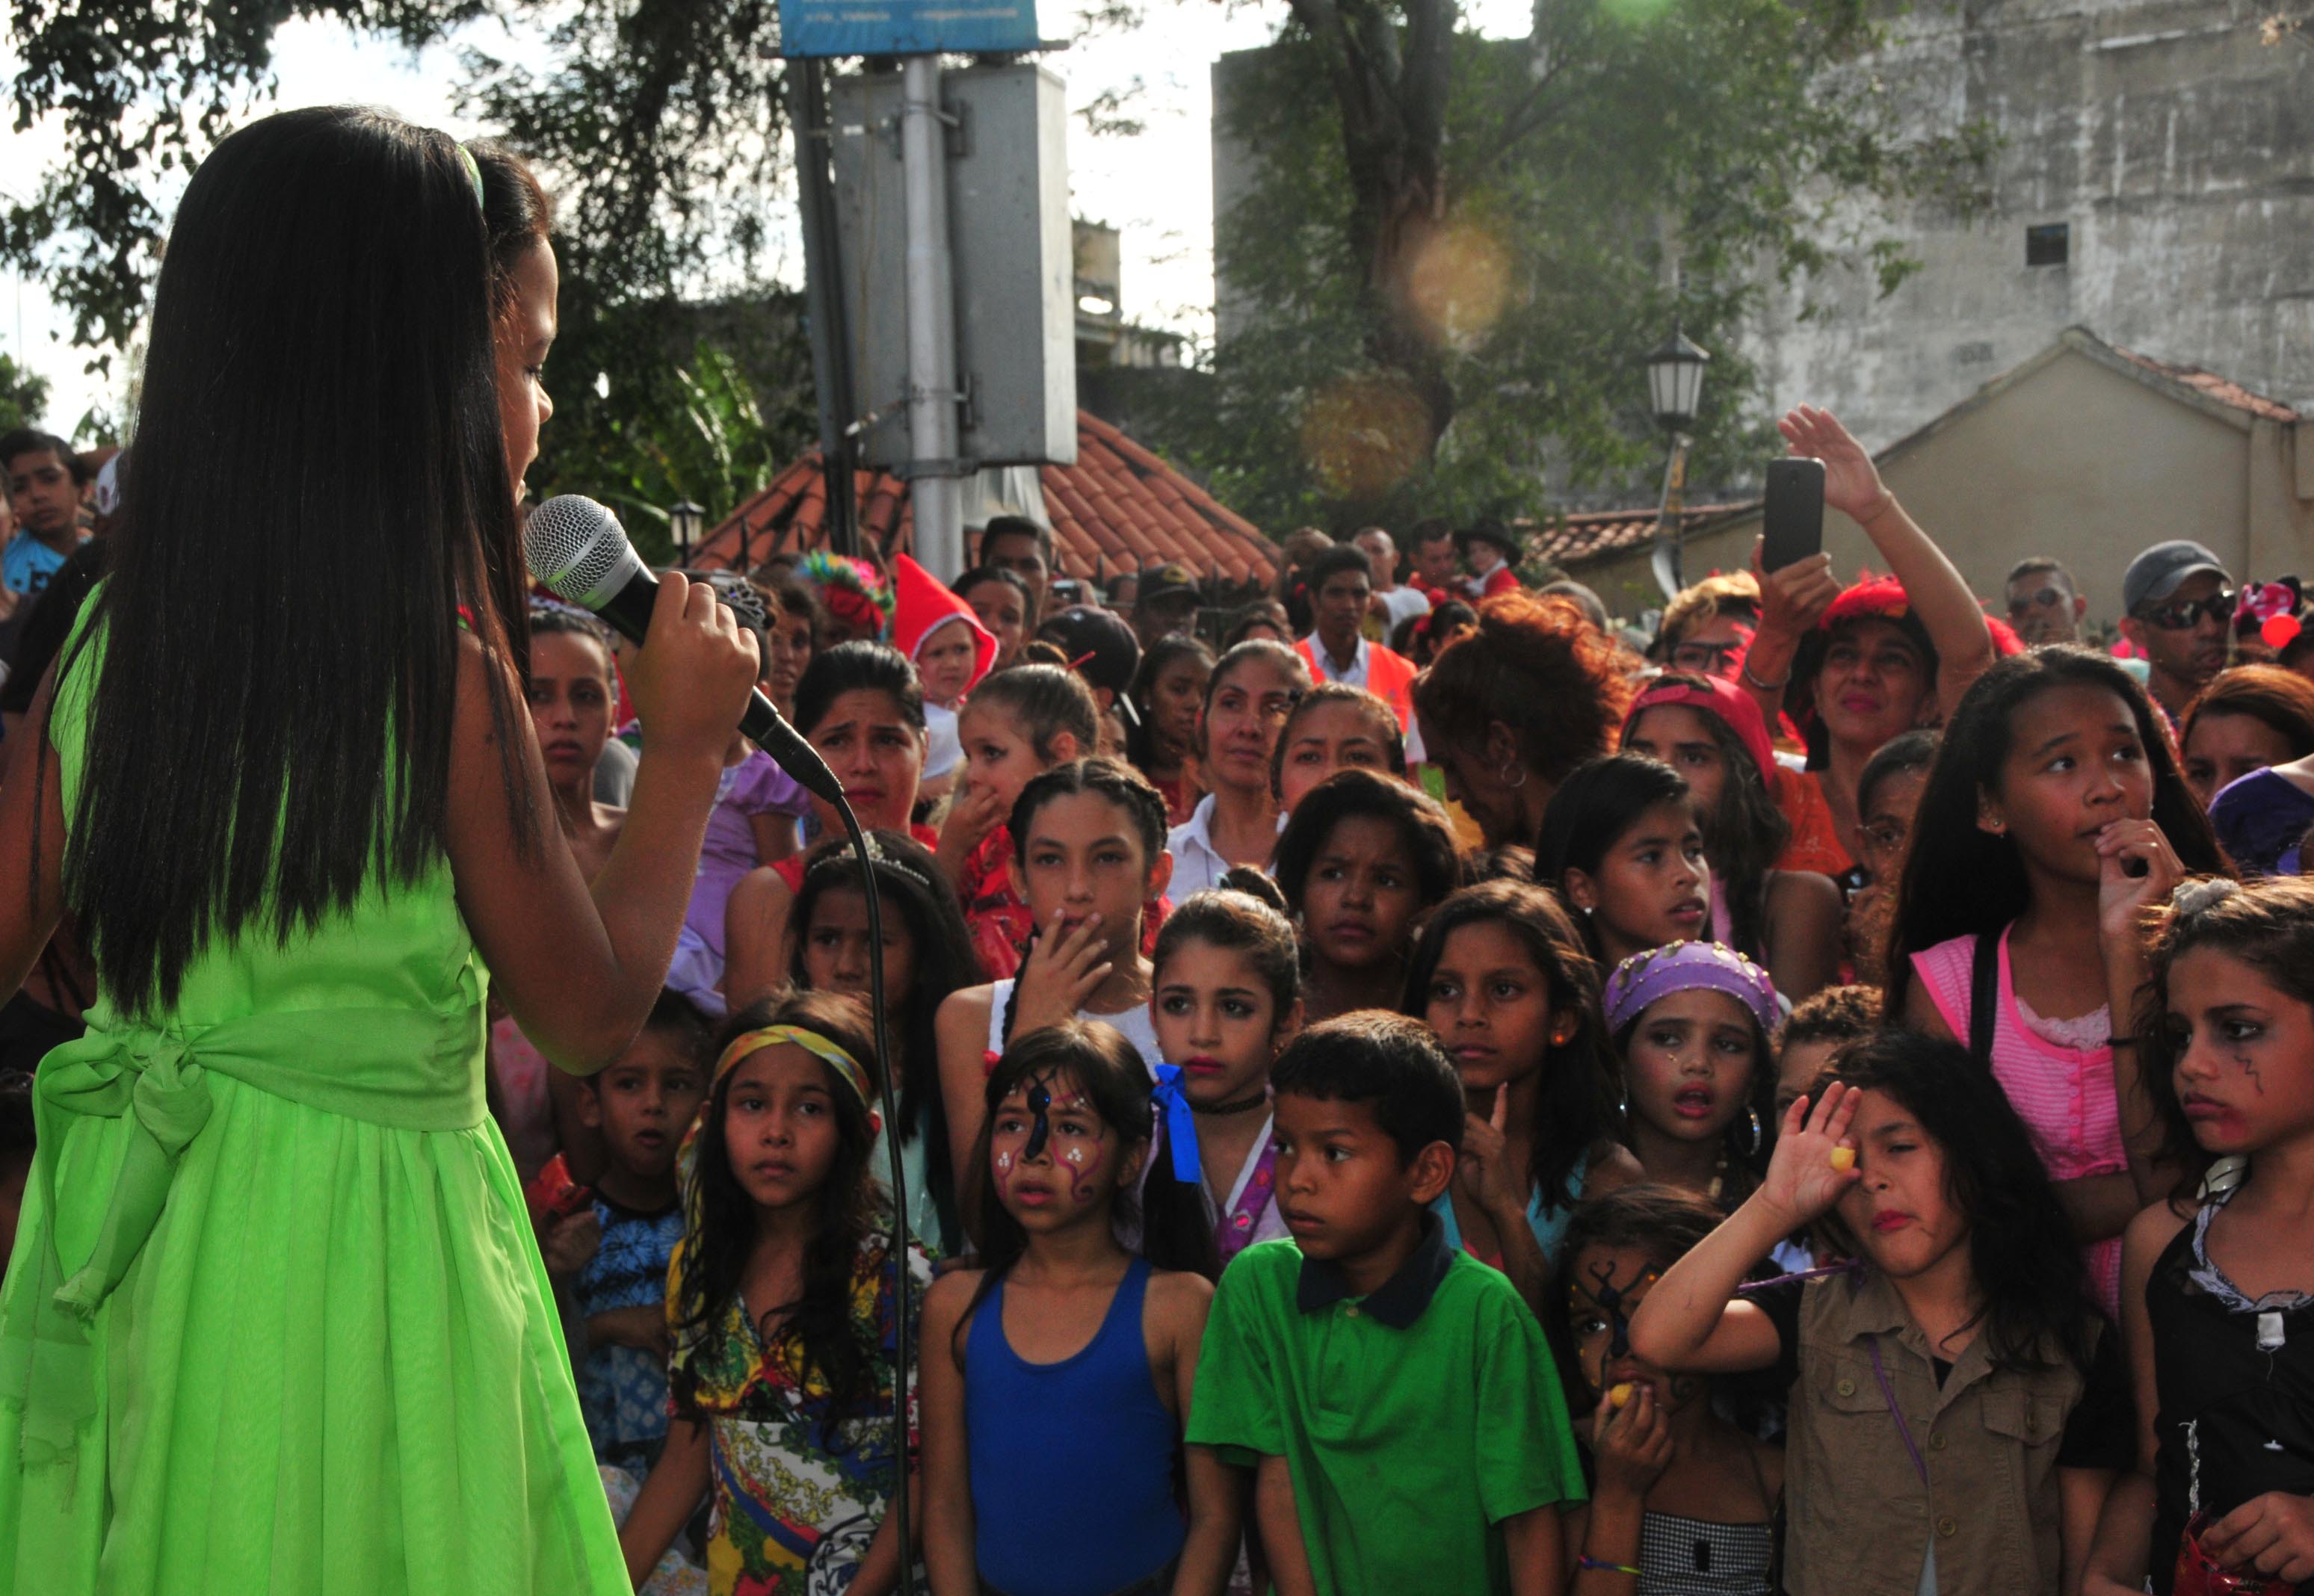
{"x": 1404, "y": 604}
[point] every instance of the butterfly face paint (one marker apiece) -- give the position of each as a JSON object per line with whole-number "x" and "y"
{"x": 1605, "y": 1286}
{"x": 1040, "y": 1105}
{"x": 1036, "y": 1137}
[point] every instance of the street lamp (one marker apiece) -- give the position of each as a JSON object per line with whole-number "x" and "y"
{"x": 1674, "y": 390}
{"x": 683, "y": 521}
{"x": 1676, "y": 381}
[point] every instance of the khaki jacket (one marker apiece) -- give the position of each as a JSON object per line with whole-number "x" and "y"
{"x": 1859, "y": 1519}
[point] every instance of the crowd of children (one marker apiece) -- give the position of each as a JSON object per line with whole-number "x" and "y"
{"x": 1395, "y": 1211}
{"x": 1821, "y": 1113}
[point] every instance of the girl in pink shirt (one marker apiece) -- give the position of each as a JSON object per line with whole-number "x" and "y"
{"x": 2053, "y": 815}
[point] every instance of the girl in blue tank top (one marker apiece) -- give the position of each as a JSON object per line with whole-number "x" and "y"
{"x": 1057, "y": 1377}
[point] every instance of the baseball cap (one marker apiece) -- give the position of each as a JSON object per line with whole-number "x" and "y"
{"x": 2157, "y": 573}
{"x": 1171, "y": 580}
{"x": 1100, "y": 646}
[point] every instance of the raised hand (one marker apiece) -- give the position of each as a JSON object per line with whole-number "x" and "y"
{"x": 1483, "y": 1171}
{"x": 1060, "y": 975}
{"x": 1632, "y": 1444}
{"x": 1794, "y": 597}
{"x": 2136, "y": 869}
{"x": 1803, "y": 1182}
{"x": 690, "y": 681}
{"x": 1851, "y": 482}
{"x": 974, "y": 814}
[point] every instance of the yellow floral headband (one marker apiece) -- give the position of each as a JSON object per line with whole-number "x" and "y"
{"x": 847, "y": 1068}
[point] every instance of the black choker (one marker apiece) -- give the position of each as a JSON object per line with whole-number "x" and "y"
{"x": 1239, "y": 1105}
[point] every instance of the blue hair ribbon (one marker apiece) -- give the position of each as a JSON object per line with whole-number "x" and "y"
{"x": 1180, "y": 1123}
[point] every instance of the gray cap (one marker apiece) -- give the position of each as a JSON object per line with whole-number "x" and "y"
{"x": 2156, "y": 574}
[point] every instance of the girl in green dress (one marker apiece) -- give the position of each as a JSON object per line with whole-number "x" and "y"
{"x": 275, "y": 1321}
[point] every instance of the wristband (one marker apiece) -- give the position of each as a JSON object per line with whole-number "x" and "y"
{"x": 2121, "y": 1041}
{"x": 1597, "y": 1566}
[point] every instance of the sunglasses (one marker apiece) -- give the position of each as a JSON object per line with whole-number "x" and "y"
{"x": 2178, "y": 615}
{"x": 2041, "y": 600}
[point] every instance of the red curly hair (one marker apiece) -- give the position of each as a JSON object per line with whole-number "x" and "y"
{"x": 1538, "y": 667}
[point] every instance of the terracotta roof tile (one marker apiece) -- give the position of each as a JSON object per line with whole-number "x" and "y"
{"x": 1576, "y": 540}
{"x": 1119, "y": 507}
{"x": 2224, "y": 390}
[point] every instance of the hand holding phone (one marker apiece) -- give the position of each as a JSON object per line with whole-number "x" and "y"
{"x": 1792, "y": 519}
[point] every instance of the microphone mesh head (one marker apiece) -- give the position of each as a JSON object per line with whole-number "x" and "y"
{"x": 576, "y": 547}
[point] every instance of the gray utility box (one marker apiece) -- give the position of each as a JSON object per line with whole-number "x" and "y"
{"x": 1013, "y": 269}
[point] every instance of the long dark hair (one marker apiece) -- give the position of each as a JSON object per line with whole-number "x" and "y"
{"x": 2268, "y": 924}
{"x": 1096, "y": 1059}
{"x": 1960, "y": 880}
{"x": 1140, "y": 740}
{"x": 2021, "y": 1250}
{"x": 719, "y": 1237}
{"x": 1745, "y": 832}
{"x": 1595, "y": 808}
{"x": 1110, "y": 779}
{"x": 321, "y": 487}
{"x": 1574, "y": 1107}
{"x": 906, "y": 879}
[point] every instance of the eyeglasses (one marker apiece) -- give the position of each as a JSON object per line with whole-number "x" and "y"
{"x": 2041, "y": 600}
{"x": 1705, "y": 659}
{"x": 2178, "y": 615}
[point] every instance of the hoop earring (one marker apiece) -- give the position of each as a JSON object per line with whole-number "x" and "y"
{"x": 1505, "y": 777}
{"x": 1758, "y": 1133}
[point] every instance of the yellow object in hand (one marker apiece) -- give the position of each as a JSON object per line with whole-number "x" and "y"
{"x": 1621, "y": 1394}
{"x": 1843, "y": 1158}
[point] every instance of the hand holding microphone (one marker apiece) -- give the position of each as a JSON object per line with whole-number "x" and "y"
{"x": 576, "y": 548}
{"x": 691, "y": 677}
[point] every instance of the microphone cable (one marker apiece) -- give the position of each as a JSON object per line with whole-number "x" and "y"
{"x": 903, "y": 1331}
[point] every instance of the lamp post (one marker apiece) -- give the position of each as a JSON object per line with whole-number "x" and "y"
{"x": 1675, "y": 388}
{"x": 683, "y": 521}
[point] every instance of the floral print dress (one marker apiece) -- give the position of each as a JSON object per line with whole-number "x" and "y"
{"x": 795, "y": 1501}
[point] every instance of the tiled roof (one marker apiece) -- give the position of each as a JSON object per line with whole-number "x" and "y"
{"x": 1579, "y": 539}
{"x": 1119, "y": 507}
{"x": 2224, "y": 390}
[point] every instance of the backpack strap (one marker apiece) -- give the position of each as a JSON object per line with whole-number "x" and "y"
{"x": 1984, "y": 996}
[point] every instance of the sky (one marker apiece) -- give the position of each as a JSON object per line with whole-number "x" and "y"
{"x": 1155, "y": 188}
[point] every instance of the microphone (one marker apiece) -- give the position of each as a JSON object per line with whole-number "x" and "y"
{"x": 577, "y": 549}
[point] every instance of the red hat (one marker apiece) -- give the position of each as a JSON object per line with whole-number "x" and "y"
{"x": 922, "y": 605}
{"x": 1713, "y": 697}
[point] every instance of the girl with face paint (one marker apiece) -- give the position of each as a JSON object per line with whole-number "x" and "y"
{"x": 1957, "y": 1408}
{"x": 1075, "y": 1338}
{"x": 1680, "y": 1499}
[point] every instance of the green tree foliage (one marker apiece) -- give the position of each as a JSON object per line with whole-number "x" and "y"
{"x": 659, "y": 129}
{"x": 1453, "y": 251}
{"x": 24, "y": 396}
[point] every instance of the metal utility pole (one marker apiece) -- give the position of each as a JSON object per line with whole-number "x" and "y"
{"x": 830, "y": 339}
{"x": 935, "y": 495}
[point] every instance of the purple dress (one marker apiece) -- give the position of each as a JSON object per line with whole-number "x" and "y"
{"x": 754, "y": 786}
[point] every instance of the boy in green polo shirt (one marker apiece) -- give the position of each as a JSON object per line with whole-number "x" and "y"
{"x": 1392, "y": 1394}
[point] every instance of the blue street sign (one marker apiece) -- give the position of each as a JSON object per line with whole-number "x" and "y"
{"x": 906, "y": 27}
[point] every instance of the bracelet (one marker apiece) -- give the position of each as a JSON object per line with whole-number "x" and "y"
{"x": 2121, "y": 1041}
{"x": 1744, "y": 670}
{"x": 1597, "y": 1566}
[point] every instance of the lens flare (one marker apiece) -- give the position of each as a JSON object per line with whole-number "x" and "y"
{"x": 1457, "y": 284}
{"x": 1363, "y": 434}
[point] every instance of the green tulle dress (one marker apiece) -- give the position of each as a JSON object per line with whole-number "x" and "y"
{"x": 275, "y": 1321}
